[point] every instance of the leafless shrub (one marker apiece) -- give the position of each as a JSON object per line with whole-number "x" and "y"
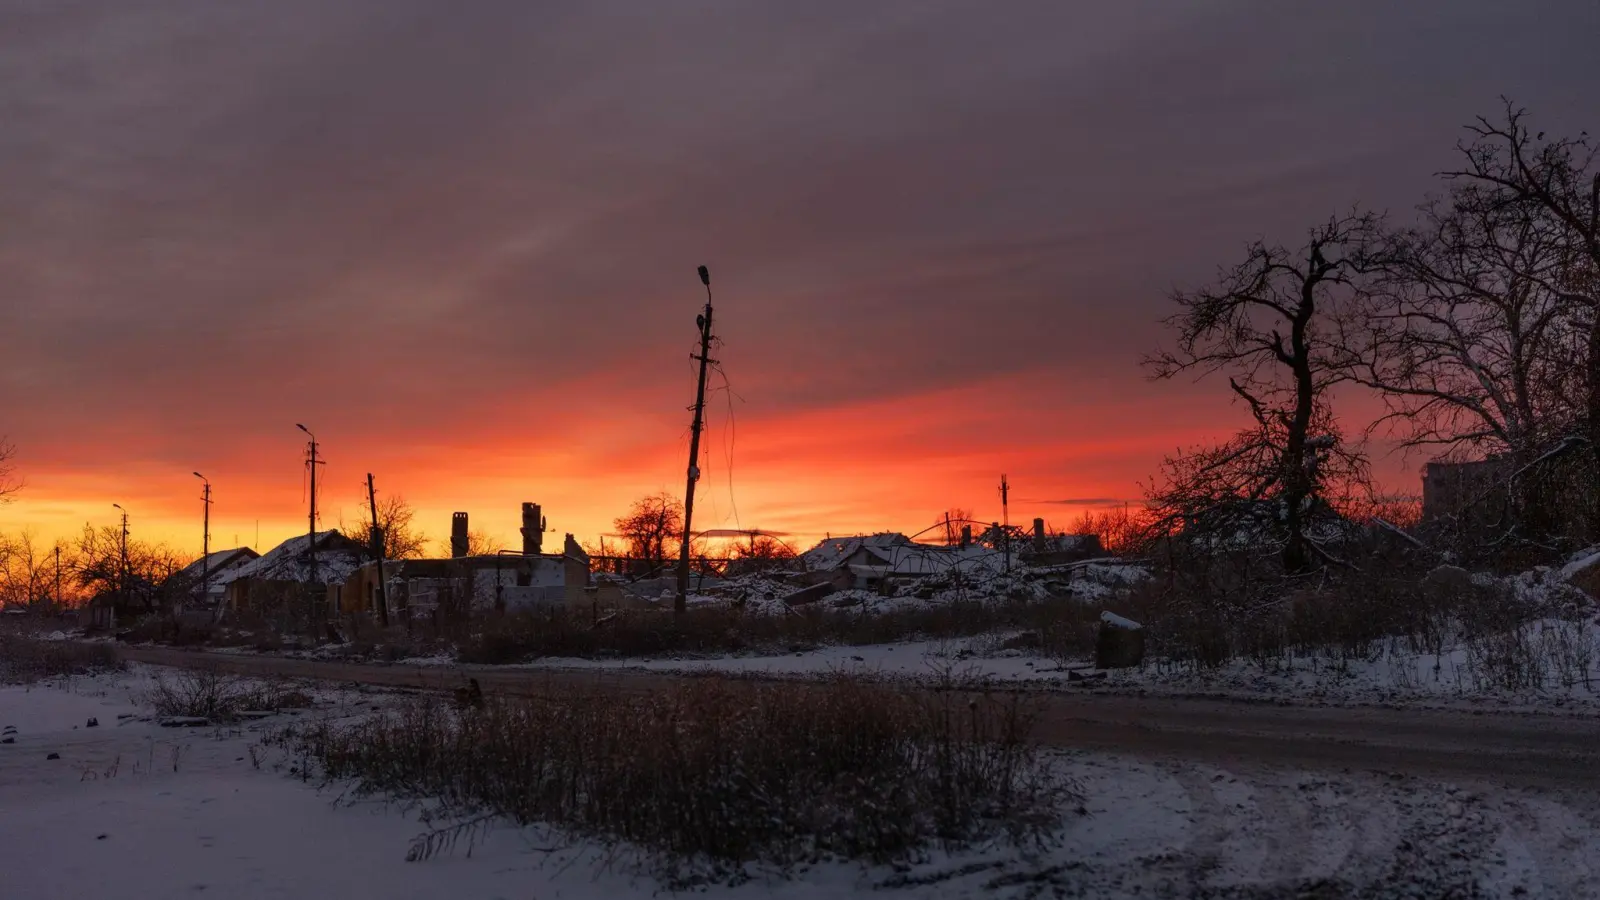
{"x": 24, "y": 659}
{"x": 198, "y": 693}
{"x": 710, "y": 774}
{"x": 208, "y": 694}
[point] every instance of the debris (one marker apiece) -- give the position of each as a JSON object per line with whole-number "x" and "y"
{"x": 1120, "y": 644}
{"x": 1110, "y": 618}
{"x": 470, "y": 696}
{"x": 183, "y": 722}
{"x": 809, "y": 594}
{"x": 93, "y": 723}
{"x": 1078, "y": 677}
{"x": 52, "y": 756}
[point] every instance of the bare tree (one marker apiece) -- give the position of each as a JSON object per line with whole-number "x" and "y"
{"x": 1266, "y": 325}
{"x": 139, "y": 573}
{"x": 480, "y": 543}
{"x": 397, "y": 523}
{"x": 9, "y": 482}
{"x": 764, "y": 548}
{"x": 1463, "y": 336}
{"x": 1556, "y": 183}
{"x": 1119, "y": 530}
{"x": 652, "y": 530}
{"x": 950, "y": 522}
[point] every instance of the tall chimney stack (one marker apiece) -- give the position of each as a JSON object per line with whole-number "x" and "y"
{"x": 458, "y": 535}
{"x": 1038, "y": 535}
{"x": 532, "y": 529}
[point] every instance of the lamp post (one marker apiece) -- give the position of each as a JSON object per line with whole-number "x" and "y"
{"x": 311, "y": 531}
{"x": 205, "y": 541}
{"x": 122, "y": 587}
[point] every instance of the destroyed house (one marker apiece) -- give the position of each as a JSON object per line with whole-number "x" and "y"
{"x": 466, "y": 583}
{"x": 871, "y": 562}
{"x": 268, "y": 583}
{"x": 501, "y": 582}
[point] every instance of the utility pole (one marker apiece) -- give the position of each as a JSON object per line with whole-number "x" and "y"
{"x": 205, "y": 542}
{"x": 1005, "y": 518}
{"x": 123, "y": 550}
{"x": 704, "y": 321}
{"x": 377, "y": 550}
{"x": 311, "y": 532}
{"x": 58, "y": 577}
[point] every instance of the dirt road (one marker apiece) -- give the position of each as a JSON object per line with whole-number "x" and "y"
{"x": 1510, "y": 749}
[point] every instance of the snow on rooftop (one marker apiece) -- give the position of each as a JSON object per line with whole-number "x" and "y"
{"x": 289, "y": 561}
{"x": 832, "y": 552}
{"x": 214, "y": 564}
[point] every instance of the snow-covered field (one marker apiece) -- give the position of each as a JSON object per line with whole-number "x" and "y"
{"x": 133, "y": 810}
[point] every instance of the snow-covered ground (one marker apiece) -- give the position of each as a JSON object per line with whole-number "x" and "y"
{"x": 133, "y": 810}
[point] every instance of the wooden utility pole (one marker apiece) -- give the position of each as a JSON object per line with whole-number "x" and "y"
{"x": 59, "y": 604}
{"x": 681, "y": 603}
{"x": 377, "y": 550}
{"x": 312, "y": 461}
{"x": 123, "y": 551}
{"x": 205, "y": 541}
{"x": 1005, "y": 518}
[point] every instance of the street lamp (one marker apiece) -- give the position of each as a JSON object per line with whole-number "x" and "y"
{"x": 311, "y": 531}
{"x": 205, "y": 542}
{"x": 123, "y": 588}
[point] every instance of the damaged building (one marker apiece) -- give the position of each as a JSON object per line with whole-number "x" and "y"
{"x": 464, "y": 584}
{"x": 273, "y": 583}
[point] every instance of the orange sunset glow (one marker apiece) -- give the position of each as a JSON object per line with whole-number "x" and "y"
{"x": 461, "y": 247}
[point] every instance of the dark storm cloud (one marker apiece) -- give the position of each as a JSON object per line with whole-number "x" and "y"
{"x": 263, "y": 209}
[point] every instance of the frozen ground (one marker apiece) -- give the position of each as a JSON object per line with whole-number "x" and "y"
{"x": 133, "y": 810}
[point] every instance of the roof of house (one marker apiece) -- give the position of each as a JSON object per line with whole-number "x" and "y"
{"x": 834, "y": 552}
{"x": 218, "y": 562}
{"x": 337, "y": 557}
{"x": 877, "y": 555}
{"x": 912, "y": 560}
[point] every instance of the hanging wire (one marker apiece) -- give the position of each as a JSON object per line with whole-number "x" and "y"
{"x": 730, "y": 438}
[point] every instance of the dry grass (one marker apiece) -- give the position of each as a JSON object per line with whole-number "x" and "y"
{"x": 25, "y": 659}
{"x": 1496, "y": 638}
{"x": 707, "y": 776}
{"x": 1062, "y": 627}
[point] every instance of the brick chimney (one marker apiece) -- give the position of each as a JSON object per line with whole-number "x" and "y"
{"x": 458, "y": 534}
{"x": 532, "y": 529}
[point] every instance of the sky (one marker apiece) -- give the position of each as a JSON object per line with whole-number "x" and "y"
{"x": 458, "y": 241}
